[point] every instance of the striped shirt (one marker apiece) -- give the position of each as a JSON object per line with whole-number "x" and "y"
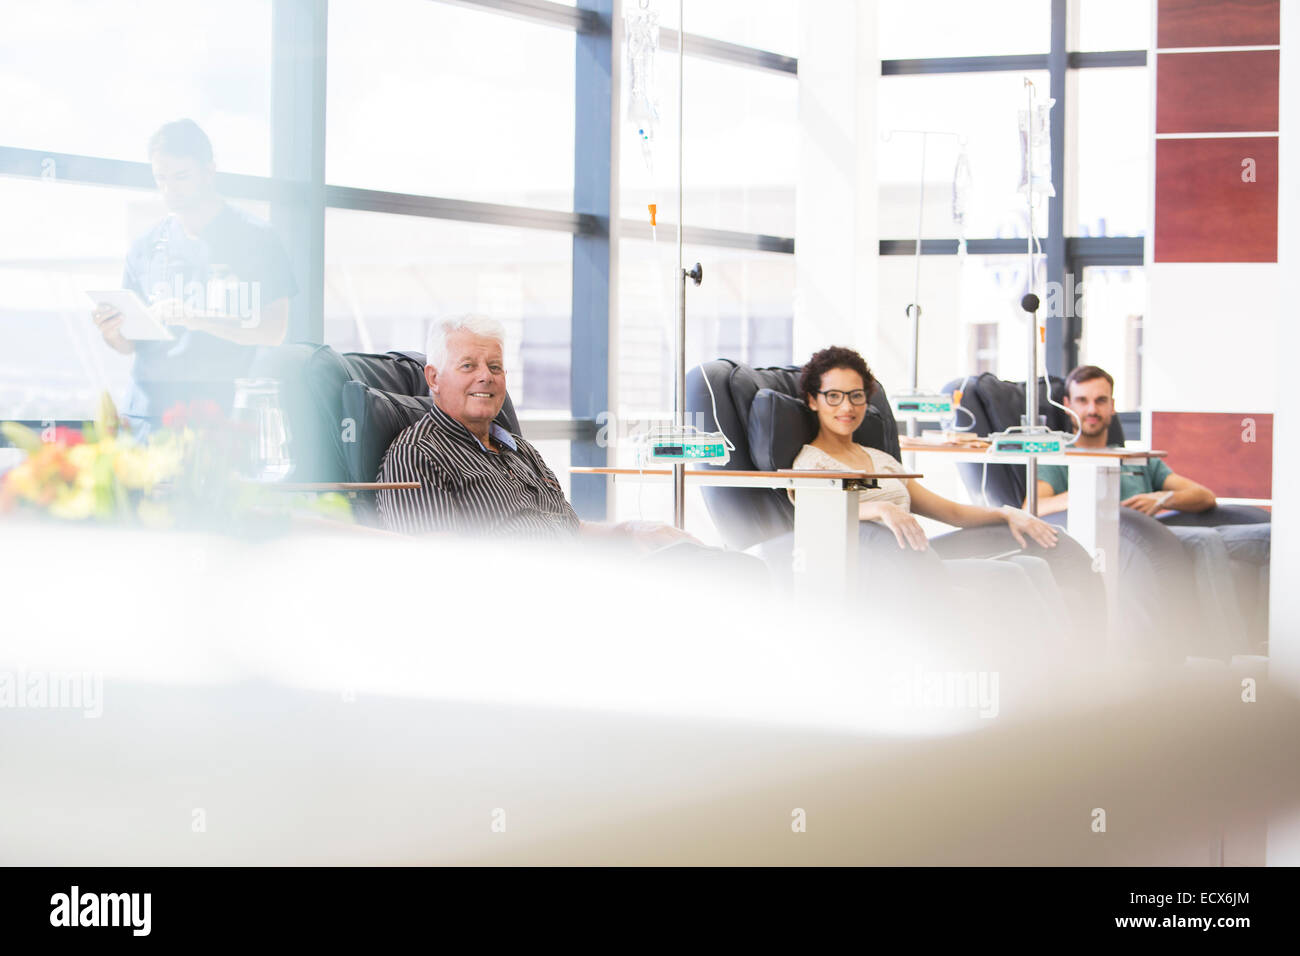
{"x": 466, "y": 488}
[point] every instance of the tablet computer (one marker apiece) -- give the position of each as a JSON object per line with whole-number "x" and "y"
{"x": 137, "y": 322}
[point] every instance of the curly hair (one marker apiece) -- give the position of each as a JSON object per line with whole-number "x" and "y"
{"x": 810, "y": 380}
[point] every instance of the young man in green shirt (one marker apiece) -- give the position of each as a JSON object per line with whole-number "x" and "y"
{"x": 1218, "y": 555}
{"x": 1149, "y": 488}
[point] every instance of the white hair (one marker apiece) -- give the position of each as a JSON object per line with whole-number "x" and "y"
{"x": 435, "y": 349}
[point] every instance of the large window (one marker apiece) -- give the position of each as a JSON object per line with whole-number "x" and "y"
{"x": 911, "y": 29}
{"x": 446, "y": 100}
{"x": 94, "y": 78}
{"x": 1114, "y": 303}
{"x": 86, "y": 79}
{"x": 417, "y": 159}
{"x": 1112, "y": 152}
{"x": 74, "y": 238}
{"x": 1112, "y": 25}
{"x": 771, "y": 25}
{"x": 742, "y": 311}
{"x": 958, "y": 295}
{"x": 952, "y": 67}
{"x": 741, "y": 157}
{"x": 387, "y": 277}
{"x": 972, "y": 115}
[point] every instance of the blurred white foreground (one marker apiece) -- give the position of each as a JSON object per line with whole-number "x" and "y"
{"x": 341, "y": 698}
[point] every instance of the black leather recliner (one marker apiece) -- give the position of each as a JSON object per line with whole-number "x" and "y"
{"x": 747, "y": 516}
{"x": 344, "y": 410}
{"x": 997, "y": 404}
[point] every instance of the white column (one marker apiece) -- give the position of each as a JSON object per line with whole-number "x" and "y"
{"x": 836, "y": 233}
{"x": 1284, "y": 600}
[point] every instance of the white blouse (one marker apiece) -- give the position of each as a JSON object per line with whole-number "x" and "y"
{"x": 892, "y": 490}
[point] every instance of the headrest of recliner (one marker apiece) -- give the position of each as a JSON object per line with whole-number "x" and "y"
{"x": 1004, "y": 403}
{"x": 780, "y": 425}
{"x": 378, "y": 417}
{"x": 745, "y": 383}
{"x": 399, "y": 372}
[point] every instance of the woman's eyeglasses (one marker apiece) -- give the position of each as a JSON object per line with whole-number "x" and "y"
{"x": 834, "y": 396}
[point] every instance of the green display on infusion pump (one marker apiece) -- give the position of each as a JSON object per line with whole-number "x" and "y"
{"x": 1030, "y": 447}
{"x": 710, "y": 450}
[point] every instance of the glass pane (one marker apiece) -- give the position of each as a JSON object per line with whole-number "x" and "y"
{"x": 1114, "y": 24}
{"x": 54, "y": 364}
{"x": 1113, "y": 152}
{"x": 771, "y": 25}
{"x": 971, "y": 319}
{"x": 983, "y": 108}
{"x": 443, "y": 100}
{"x": 78, "y": 76}
{"x": 928, "y": 28}
{"x": 744, "y": 310}
{"x": 1114, "y": 302}
{"x": 387, "y": 277}
{"x": 741, "y": 159}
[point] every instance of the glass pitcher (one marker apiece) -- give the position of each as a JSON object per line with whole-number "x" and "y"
{"x": 257, "y": 409}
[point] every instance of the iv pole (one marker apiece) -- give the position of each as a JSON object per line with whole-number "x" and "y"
{"x": 913, "y": 310}
{"x": 679, "y": 338}
{"x": 696, "y": 275}
{"x": 1030, "y": 304}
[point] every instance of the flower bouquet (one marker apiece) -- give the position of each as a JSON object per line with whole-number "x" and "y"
{"x": 185, "y": 474}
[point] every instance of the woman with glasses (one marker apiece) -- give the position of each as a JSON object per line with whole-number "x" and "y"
{"x": 836, "y": 383}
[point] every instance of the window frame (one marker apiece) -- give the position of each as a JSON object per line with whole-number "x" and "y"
{"x": 299, "y": 194}
{"x": 1065, "y": 253}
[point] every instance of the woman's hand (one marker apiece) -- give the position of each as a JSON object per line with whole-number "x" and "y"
{"x": 905, "y": 527}
{"x": 1023, "y": 523}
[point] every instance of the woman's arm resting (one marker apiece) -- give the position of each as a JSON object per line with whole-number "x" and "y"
{"x": 927, "y": 504}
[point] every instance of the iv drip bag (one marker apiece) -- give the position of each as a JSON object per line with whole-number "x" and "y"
{"x": 1036, "y": 129}
{"x": 642, "y": 29}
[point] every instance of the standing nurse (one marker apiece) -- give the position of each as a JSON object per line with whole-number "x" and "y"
{"x": 216, "y": 276}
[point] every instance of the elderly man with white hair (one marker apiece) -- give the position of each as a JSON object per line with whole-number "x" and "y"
{"x": 475, "y": 476}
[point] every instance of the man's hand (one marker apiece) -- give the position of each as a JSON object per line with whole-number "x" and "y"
{"x": 1148, "y": 502}
{"x": 906, "y": 528}
{"x": 109, "y": 322}
{"x": 1023, "y": 523}
{"x": 651, "y": 535}
{"x": 171, "y": 312}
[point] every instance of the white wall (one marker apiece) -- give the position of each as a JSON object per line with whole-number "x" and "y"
{"x": 1220, "y": 316}
{"x": 1283, "y": 845}
{"x": 1285, "y": 606}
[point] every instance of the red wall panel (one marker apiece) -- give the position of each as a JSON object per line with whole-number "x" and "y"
{"x": 1188, "y": 23}
{"x": 1208, "y": 447}
{"x": 1204, "y": 211}
{"x": 1217, "y": 92}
